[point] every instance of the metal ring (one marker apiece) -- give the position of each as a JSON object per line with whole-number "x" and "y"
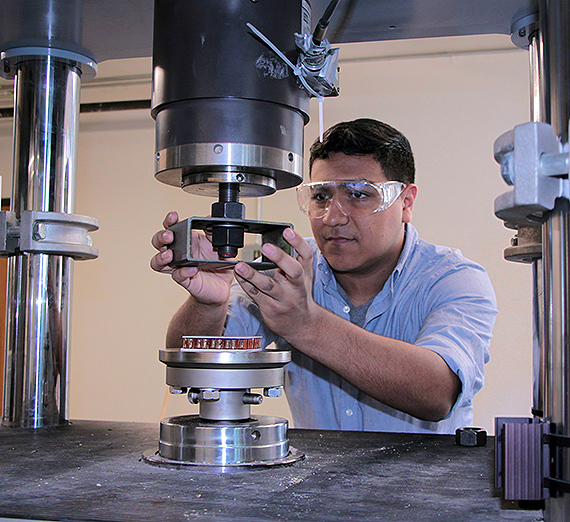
{"x": 245, "y": 163}
{"x": 13, "y": 56}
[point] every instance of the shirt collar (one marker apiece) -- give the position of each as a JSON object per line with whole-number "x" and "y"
{"x": 410, "y": 239}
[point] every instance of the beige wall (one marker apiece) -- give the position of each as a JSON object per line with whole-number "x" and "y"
{"x": 451, "y": 106}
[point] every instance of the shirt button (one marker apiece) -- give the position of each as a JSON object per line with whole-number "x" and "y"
{"x": 349, "y": 412}
{"x": 346, "y": 309}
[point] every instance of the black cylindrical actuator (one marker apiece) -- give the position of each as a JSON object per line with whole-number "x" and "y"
{"x": 227, "y": 108}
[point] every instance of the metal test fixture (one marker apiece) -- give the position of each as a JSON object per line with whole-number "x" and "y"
{"x": 232, "y": 134}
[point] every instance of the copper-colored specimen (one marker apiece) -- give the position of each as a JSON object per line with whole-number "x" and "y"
{"x": 221, "y": 343}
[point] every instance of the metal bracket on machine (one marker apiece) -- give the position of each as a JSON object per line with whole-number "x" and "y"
{"x": 522, "y": 458}
{"x": 532, "y": 160}
{"x": 182, "y": 244}
{"x": 54, "y": 233}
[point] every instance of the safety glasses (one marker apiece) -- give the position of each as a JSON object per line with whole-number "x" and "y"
{"x": 355, "y": 197}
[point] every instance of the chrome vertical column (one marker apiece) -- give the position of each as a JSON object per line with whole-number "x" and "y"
{"x": 537, "y": 113}
{"x": 555, "y": 28}
{"x": 39, "y": 288}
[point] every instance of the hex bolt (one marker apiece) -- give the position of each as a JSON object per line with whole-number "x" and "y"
{"x": 39, "y": 231}
{"x": 175, "y": 390}
{"x": 470, "y": 437}
{"x": 276, "y": 391}
{"x": 209, "y": 394}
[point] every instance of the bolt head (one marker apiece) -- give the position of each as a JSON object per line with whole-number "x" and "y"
{"x": 39, "y": 231}
{"x": 228, "y": 209}
{"x": 470, "y": 437}
{"x": 210, "y": 395}
{"x": 227, "y": 236}
{"x": 273, "y": 392}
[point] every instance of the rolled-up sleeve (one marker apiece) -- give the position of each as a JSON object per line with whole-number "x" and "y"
{"x": 460, "y": 314}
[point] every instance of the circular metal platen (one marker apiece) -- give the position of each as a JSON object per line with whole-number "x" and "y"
{"x": 223, "y": 446}
{"x": 179, "y": 357}
{"x": 224, "y": 369}
{"x": 206, "y": 183}
{"x": 153, "y": 457}
{"x": 199, "y": 168}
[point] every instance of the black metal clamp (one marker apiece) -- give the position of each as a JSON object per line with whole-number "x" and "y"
{"x": 181, "y": 247}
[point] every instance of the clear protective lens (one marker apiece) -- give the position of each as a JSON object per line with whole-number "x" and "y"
{"x": 356, "y": 198}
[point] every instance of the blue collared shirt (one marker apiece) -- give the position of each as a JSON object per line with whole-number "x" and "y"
{"x": 435, "y": 298}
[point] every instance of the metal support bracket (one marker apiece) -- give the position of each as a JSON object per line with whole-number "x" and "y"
{"x": 54, "y": 233}
{"x": 182, "y": 244}
{"x": 521, "y": 458}
{"x": 532, "y": 160}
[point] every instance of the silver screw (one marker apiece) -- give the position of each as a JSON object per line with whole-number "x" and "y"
{"x": 193, "y": 396}
{"x": 39, "y": 231}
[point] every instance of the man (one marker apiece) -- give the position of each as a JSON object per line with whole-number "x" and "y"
{"x": 387, "y": 332}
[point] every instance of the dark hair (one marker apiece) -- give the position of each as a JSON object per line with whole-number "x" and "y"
{"x": 389, "y": 147}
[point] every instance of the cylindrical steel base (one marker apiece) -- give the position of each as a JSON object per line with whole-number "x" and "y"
{"x": 188, "y": 439}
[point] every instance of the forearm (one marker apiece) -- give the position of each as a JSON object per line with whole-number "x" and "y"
{"x": 194, "y": 318}
{"x": 406, "y": 377}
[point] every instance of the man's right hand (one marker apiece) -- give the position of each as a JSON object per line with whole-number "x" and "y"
{"x": 209, "y": 287}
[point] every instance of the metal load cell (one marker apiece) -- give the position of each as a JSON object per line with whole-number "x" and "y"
{"x": 225, "y": 434}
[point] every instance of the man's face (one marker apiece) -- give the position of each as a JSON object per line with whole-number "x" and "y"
{"x": 363, "y": 244}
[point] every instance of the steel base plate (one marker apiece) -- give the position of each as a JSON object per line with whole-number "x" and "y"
{"x": 153, "y": 457}
{"x": 191, "y": 441}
